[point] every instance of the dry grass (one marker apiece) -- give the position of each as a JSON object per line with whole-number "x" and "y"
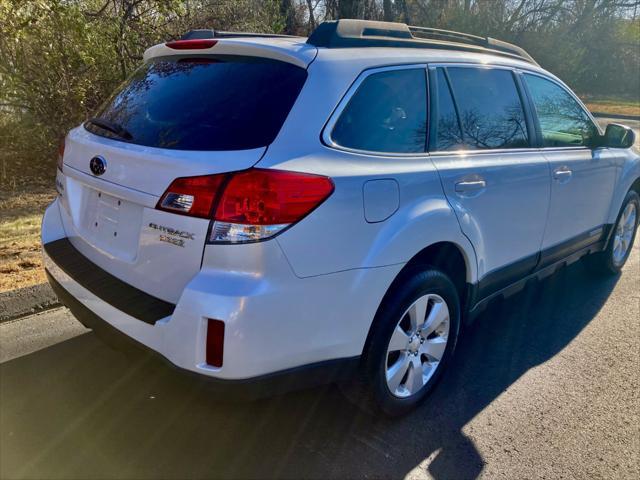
{"x": 613, "y": 106}
{"x": 20, "y": 259}
{"x": 25, "y": 191}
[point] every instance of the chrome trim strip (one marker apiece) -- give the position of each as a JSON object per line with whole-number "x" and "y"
{"x": 493, "y": 151}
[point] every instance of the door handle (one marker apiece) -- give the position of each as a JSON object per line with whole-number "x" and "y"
{"x": 470, "y": 186}
{"x": 562, "y": 174}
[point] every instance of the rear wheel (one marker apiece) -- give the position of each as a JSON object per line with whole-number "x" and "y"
{"x": 417, "y": 345}
{"x": 612, "y": 259}
{"x": 413, "y": 338}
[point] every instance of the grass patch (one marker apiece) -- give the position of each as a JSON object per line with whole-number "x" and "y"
{"x": 613, "y": 105}
{"x": 24, "y": 195}
{"x": 20, "y": 258}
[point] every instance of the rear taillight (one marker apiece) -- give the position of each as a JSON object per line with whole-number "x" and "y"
{"x": 60, "y": 153}
{"x": 195, "y": 44}
{"x": 194, "y": 196}
{"x": 247, "y": 206}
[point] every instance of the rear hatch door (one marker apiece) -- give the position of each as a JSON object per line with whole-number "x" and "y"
{"x": 177, "y": 116}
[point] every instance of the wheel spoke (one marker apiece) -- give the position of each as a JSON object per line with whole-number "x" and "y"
{"x": 399, "y": 340}
{"x": 415, "y": 380}
{"x": 438, "y": 314}
{"x": 630, "y": 221}
{"x": 396, "y": 372}
{"x": 616, "y": 245}
{"x": 418, "y": 312}
{"x": 434, "y": 348}
{"x": 627, "y": 236}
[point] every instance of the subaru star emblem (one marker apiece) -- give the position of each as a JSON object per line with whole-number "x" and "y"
{"x": 98, "y": 165}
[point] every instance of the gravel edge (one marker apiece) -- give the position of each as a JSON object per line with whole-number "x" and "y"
{"x": 26, "y": 301}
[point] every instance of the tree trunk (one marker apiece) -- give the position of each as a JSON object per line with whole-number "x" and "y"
{"x": 348, "y": 8}
{"x": 288, "y": 13}
{"x": 312, "y": 18}
{"x": 387, "y": 7}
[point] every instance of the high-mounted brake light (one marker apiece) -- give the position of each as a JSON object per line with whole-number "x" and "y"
{"x": 60, "y": 153}
{"x": 250, "y": 205}
{"x": 195, "y": 44}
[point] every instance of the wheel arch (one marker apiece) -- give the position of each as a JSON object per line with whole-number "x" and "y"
{"x": 447, "y": 256}
{"x": 635, "y": 186}
{"x": 628, "y": 179}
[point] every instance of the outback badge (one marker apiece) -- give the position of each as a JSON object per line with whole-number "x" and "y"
{"x": 171, "y": 235}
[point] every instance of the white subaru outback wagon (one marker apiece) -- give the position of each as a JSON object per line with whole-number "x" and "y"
{"x": 275, "y": 212}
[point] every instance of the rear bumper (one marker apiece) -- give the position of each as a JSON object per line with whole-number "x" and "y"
{"x": 110, "y": 289}
{"x": 265, "y": 385}
{"x": 281, "y": 331}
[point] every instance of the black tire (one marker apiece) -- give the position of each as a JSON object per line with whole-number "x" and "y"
{"x": 371, "y": 390}
{"x": 604, "y": 263}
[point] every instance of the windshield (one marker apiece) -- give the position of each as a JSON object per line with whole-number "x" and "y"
{"x": 203, "y": 103}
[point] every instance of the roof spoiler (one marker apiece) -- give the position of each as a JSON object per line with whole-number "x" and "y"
{"x": 346, "y": 33}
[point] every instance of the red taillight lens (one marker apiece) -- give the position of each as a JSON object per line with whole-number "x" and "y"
{"x": 193, "y": 196}
{"x": 61, "y": 153}
{"x": 195, "y": 44}
{"x": 270, "y": 197}
{"x": 247, "y": 206}
{"x": 215, "y": 342}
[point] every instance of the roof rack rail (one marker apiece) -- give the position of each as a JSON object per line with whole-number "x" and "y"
{"x": 347, "y": 33}
{"x": 211, "y": 33}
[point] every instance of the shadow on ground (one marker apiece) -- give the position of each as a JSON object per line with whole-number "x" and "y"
{"x": 81, "y": 410}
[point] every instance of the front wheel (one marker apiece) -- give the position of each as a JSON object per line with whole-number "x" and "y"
{"x": 413, "y": 338}
{"x": 612, "y": 259}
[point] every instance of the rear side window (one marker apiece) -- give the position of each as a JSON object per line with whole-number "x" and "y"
{"x": 204, "y": 103}
{"x": 563, "y": 122}
{"x": 490, "y": 108}
{"x": 387, "y": 114}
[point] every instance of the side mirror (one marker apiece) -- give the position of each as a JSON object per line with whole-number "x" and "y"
{"x": 618, "y": 136}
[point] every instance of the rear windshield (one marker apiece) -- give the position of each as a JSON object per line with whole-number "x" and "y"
{"x": 203, "y": 103}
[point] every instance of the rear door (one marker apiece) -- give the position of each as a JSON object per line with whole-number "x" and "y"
{"x": 583, "y": 178}
{"x": 498, "y": 185}
{"x": 178, "y": 116}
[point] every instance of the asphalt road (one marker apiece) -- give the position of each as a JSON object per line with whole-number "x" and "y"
{"x": 546, "y": 385}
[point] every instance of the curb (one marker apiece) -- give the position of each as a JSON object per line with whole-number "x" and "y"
{"x": 615, "y": 116}
{"x": 26, "y": 301}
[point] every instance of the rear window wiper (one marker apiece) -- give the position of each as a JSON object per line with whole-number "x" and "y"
{"x": 112, "y": 127}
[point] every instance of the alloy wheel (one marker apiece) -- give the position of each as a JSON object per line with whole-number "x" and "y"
{"x": 417, "y": 345}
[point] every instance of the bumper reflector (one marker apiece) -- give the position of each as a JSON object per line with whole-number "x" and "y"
{"x": 215, "y": 342}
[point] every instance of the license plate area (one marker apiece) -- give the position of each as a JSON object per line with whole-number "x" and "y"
{"x": 111, "y": 224}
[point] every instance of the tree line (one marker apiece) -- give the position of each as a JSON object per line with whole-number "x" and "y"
{"x": 60, "y": 59}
